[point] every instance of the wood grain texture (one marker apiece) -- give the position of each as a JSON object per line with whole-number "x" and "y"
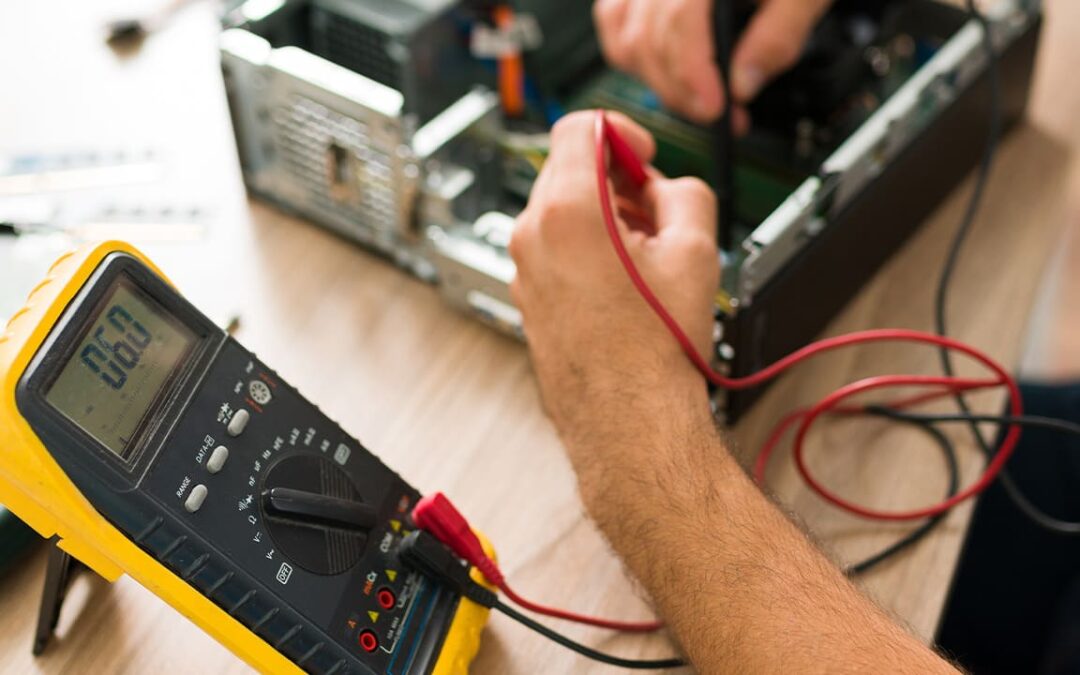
{"x": 453, "y": 406}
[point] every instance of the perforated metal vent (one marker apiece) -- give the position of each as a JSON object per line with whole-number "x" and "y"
{"x": 360, "y": 196}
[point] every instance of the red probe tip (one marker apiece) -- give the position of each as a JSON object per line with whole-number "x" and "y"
{"x": 622, "y": 154}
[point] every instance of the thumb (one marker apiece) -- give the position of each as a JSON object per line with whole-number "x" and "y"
{"x": 772, "y": 43}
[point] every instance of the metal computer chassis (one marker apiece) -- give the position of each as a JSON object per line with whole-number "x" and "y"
{"x": 342, "y": 150}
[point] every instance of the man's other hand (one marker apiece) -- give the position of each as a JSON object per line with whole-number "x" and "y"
{"x": 669, "y": 44}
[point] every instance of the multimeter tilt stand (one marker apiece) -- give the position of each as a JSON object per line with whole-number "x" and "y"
{"x": 150, "y": 443}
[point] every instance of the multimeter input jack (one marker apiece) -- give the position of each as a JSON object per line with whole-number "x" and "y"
{"x": 369, "y": 642}
{"x": 386, "y": 598}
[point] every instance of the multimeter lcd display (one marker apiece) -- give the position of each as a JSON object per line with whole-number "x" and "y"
{"x": 122, "y": 363}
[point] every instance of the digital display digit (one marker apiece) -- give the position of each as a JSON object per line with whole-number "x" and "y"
{"x": 120, "y": 367}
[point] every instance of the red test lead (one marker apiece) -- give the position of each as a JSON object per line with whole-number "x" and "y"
{"x": 608, "y": 142}
{"x": 436, "y": 515}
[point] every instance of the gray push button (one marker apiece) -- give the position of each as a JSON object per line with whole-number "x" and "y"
{"x": 238, "y": 422}
{"x": 260, "y": 392}
{"x": 195, "y": 498}
{"x": 217, "y": 459}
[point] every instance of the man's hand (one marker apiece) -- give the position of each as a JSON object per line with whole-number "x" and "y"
{"x": 594, "y": 341}
{"x": 739, "y": 586}
{"x": 669, "y": 44}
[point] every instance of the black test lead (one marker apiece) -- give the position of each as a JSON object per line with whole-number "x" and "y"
{"x": 723, "y": 136}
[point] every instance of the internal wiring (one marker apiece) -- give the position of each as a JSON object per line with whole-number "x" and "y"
{"x": 511, "y": 69}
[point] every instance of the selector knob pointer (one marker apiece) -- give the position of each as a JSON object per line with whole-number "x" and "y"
{"x": 302, "y": 507}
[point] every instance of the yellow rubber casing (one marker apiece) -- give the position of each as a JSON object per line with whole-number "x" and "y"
{"x": 36, "y": 489}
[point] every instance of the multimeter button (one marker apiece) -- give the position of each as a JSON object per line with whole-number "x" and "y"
{"x": 238, "y": 422}
{"x": 260, "y": 392}
{"x": 195, "y": 498}
{"x": 217, "y": 459}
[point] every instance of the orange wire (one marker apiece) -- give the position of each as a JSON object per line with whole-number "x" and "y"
{"x": 511, "y": 69}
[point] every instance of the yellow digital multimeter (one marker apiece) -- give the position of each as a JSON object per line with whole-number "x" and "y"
{"x": 154, "y": 445}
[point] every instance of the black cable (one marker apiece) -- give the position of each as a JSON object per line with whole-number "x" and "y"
{"x": 918, "y": 533}
{"x": 1034, "y": 513}
{"x": 1018, "y": 498}
{"x": 634, "y": 664}
{"x": 1012, "y": 490}
{"x": 724, "y": 134}
{"x": 985, "y": 164}
{"x": 420, "y": 551}
{"x": 1038, "y": 421}
{"x": 939, "y": 312}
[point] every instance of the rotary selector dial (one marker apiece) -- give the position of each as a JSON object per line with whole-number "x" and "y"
{"x": 314, "y": 514}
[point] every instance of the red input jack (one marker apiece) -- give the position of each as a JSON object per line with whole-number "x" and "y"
{"x": 386, "y": 598}
{"x": 369, "y": 642}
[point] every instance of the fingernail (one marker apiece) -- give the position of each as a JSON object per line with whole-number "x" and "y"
{"x": 746, "y": 82}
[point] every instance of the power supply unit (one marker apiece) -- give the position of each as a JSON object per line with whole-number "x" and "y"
{"x": 418, "y": 47}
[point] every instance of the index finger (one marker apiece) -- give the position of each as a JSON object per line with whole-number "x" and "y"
{"x": 574, "y": 135}
{"x": 571, "y": 163}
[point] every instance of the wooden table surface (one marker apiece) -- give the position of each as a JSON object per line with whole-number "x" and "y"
{"x": 452, "y": 405}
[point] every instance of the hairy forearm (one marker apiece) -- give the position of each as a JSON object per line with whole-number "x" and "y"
{"x": 742, "y": 588}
